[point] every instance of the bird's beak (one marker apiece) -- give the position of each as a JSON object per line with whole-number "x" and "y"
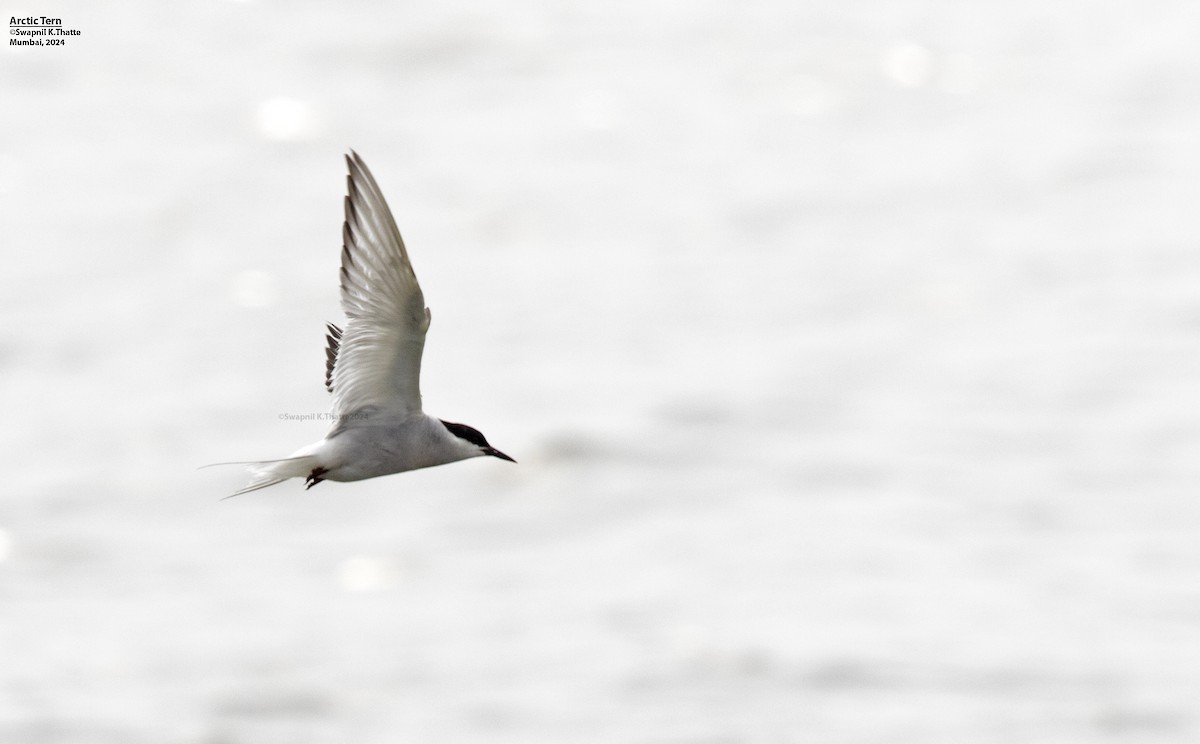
{"x": 497, "y": 453}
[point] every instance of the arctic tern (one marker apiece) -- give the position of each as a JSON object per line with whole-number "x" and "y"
{"x": 373, "y": 363}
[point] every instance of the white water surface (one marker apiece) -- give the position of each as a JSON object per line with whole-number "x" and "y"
{"x": 849, "y": 351}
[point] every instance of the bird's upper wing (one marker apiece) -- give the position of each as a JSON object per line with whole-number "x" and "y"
{"x": 376, "y": 359}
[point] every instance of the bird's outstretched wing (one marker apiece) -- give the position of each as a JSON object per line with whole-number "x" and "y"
{"x": 375, "y": 360}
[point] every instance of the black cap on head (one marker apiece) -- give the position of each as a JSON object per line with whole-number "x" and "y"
{"x": 473, "y": 435}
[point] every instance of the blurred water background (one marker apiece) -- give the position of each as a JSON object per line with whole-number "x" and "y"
{"x": 849, "y": 352}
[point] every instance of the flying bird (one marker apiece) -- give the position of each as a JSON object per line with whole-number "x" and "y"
{"x": 373, "y": 363}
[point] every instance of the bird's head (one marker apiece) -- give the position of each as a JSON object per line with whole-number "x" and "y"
{"x": 474, "y": 441}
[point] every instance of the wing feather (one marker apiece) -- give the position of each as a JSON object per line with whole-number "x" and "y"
{"x": 375, "y": 360}
{"x": 333, "y": 341}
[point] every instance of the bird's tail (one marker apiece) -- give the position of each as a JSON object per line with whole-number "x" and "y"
{"x": 264, "y": 473}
